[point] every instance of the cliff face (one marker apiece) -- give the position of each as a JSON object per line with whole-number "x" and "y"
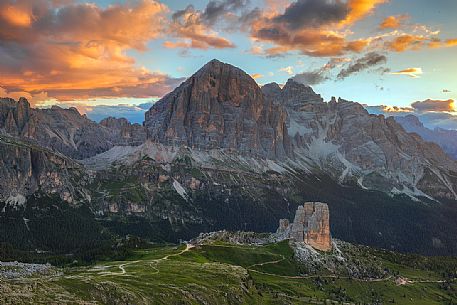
{"x": 311, "y": 226}
{"x": 220, "y": 106}
{"x": 124, "y": 133}
{"x": 26, "y": 169}
{"x": 66, "y": 130}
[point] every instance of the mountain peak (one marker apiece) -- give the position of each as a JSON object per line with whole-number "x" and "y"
{"x": 220, "y": 106}
{"x": 414, "y": 120}
{"x": 217, "y": 69}
{"x": 217, "y": 64}
{"x": 296, "y": 94}
{"x": 292, "y": 84}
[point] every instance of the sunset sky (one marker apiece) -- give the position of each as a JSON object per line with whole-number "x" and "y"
{"x": 128, "y": 53}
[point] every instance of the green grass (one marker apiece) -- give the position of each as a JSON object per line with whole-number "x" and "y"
{"x": 223, "y": 273}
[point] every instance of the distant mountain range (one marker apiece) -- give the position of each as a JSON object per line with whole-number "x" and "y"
{"x": 445, "y": 138}
{"x": 219, "y": 152}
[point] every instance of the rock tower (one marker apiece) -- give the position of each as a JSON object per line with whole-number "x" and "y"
{"x": 311, "y": 226}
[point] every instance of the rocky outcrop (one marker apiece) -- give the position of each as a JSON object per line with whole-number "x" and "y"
{"x": 66, "y": 130}
{"x": 123, "y": 132}
{"x": 14, "y": 115}
{"x": 220, "y": 107}
{"x": 26, "y": 169}
{"x": 311, "y": 226}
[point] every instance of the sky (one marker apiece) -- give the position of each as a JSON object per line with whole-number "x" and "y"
{"x": 118, "y": 57}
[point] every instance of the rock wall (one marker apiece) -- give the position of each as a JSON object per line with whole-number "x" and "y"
{"x": 311, "y": 226}
{"x": 317, "y": 233}
{"x": 26, "y": 169}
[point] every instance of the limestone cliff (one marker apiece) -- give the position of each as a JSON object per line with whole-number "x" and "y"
{"x": 26, "y": 169}
{"x": 221, "y": 107}
{"x": 311, "y": 226}
{"x": 222, "y": 154}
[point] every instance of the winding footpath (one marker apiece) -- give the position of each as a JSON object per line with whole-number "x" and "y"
{"x": 153, "y": 261}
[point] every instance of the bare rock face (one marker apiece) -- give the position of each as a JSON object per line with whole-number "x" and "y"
{"x": 25, "y": 169}
{"x": 318, "y": 232}
{"x": 123, "y": 132}
{"x": 13, "y": 115}
{"x": 296, "y": 95}
{"x": 66, "y": 130}
{"x": 311, "y": 226}
{"x": 220, "y": 106}
{"x": 343, "y": 139}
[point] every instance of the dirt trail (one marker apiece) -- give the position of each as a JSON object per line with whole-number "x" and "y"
{"x": 267, "y": 263}
{"x": 153, "y": 261}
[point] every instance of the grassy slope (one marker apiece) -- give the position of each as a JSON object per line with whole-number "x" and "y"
{"x": 223, "y": 273}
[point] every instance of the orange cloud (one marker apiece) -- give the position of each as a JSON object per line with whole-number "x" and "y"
{"x": 392, "y": 22}
{"x": 434, "y": 105}
{"x": 357, "y": 45}
{"x": 406, "y": 42}
{"x": 80, "y": 50}
{"x": 323, "y": 28}
{"x": 358, "y": 9}
{"x": 16, "y": 16}
{"x": 451, "y": 42}
{"x": 309, "y": 41}
{"x": 192, "y": 27}
{"x": 256, "y": 75}
{"x": 289, "y": 70}
{"x": 198, "y": 39}
{"x": 314, "y": 28}
{"x": 411, "y": 72}
{"x": 438, "y": 43}
{"x": 34, "y": 99}
{"x": 394, "y": 109}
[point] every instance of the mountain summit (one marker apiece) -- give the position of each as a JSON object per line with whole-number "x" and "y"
{"x": 220, "y": 106}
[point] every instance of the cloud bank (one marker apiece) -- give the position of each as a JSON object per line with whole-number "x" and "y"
{"x": 70, "y": 50}
{"x": 432, "y": 113}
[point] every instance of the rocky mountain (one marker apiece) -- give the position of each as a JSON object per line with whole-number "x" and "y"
{"x": 220, "y": 107}
{"x": 66, "y": 130}
{"x": 341, "y": 138}
{"x": 223, "y": 153}
{"x": 446, "y": 139}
